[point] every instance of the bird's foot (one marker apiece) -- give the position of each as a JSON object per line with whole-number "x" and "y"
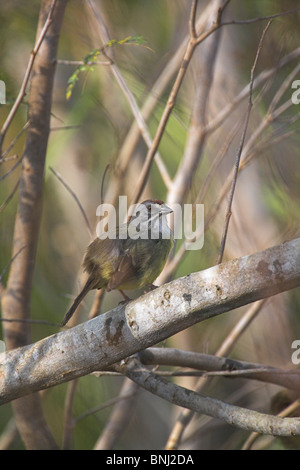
{"x": 127, "y": 299}
{"x": 150, "y": 288}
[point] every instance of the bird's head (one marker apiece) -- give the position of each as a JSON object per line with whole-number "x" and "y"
{"x": 150, "y": 217}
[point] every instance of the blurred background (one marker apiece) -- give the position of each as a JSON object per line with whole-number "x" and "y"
{"x": 95, "y": 127}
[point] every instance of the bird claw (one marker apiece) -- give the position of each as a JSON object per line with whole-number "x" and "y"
{"x": 127, "y": 299}
{"x": 150, "y": 288}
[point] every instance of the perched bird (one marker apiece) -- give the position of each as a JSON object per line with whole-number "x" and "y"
{"x": 131, "y": 256}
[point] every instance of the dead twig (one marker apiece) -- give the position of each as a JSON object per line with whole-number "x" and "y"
{"x": 238, "y": 157}
{"x": 75, "y": 197}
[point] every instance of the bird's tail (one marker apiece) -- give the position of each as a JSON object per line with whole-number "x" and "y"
{"x": 87, "y": 287}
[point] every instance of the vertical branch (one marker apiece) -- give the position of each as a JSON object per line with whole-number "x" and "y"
{"x": 191, "y": 47}
{"x": 16, "y": 299}
{"x": 162, "y": 82}
{"x": 197, "y": 131}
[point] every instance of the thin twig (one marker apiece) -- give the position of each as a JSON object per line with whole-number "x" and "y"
{"x": 208, "y": 364}
{"x": 64, "y": 128}
{"x": 197, "y": 135}
{"x": 262, "y": 18}
{"x": 103, "y": 406}
{"x": 175, "y": 260}
{"x": 68, "y": 415}
{"x": 130, "y": 97}
{"x": 10, "y": 196}
{"x": 241, "y": 326}
{"x": 12, "y": 168}
{"x": 30, "y": 321}
{"x": 102, "y": 184}
{"x": 192, "y": 44}
{"x": 60, "y": 178}
{"x": 24, "y": 128}
{"x": 262, "y": 77}
{"x": 192, "y": 20}
{"x": 9, "y": 435}
{"x": 96, "y": 306}
{"x": 216, "y": 373}
{"x": 120, "y": 416}
{"x": 251, "y": 152}
{"x": 8, "y": 159}
{"x": 27, "y": 74}
{"x": 10, "y": 262}
{"x": 238, "y": 157}
{"x": 81, "y": 62}
{"x": 132, "y": 138}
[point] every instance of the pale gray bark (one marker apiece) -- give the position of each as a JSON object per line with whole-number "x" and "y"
{"x": 127, "y": 329}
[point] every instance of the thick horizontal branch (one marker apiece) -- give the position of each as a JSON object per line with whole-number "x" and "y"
{"x": 127, "y": 329}
{"x": 241, "y": 417}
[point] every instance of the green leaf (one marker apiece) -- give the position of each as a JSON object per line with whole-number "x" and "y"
{"x": 90, "y": 59}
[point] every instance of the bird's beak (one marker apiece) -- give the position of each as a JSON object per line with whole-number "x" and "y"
{"x": 166, "y": 209}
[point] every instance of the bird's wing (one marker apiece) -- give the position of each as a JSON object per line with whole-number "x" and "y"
{"x": 125, "y": 271}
